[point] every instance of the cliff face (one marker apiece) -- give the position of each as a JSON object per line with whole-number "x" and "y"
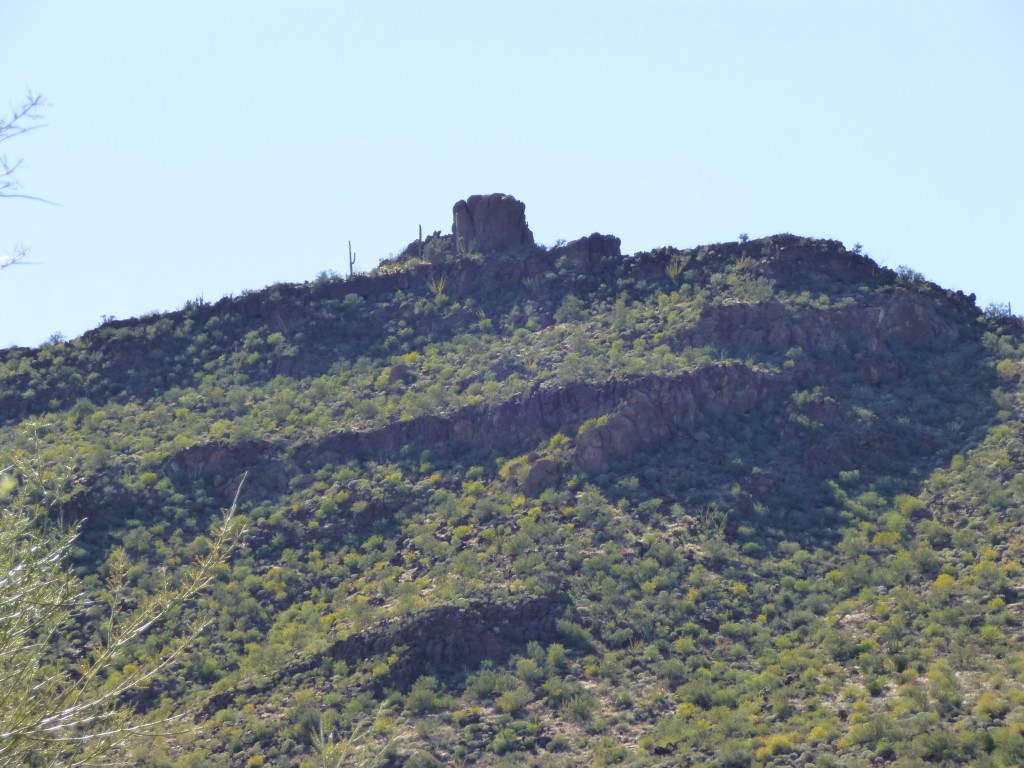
{"x": 869, "y": 326}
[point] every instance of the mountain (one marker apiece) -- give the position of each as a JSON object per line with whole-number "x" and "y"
{"x": 757, "y": 503}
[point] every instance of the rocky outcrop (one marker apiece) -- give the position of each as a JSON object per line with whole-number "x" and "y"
{"x": 587, "y": 253}
{"x": 654, "y": 407}
{"x": 642, "y": 413}
{"x": 887, "y": 320}
{"x": 793, "y": 260}
{"x": 488, "y": 223}
{"x": 652, "y": 415}
{"x": 542, "y": 474}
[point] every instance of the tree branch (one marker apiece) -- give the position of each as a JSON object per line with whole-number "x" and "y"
{"x": 21, "y": 120}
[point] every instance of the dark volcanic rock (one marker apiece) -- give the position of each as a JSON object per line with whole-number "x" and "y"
{"x": 890, "y": 320}
{"x": 542, "y": 473}
{"x": 660, "y": 408}
{"x": 587, "y": 253}
{"x": 489, "y": 223}
{"x": 643, "y": 413}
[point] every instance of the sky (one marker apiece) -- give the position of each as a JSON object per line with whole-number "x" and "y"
{"x": 200, "y": 149}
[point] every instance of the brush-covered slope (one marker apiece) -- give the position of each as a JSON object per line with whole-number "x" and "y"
{"x": 755, "y": 503}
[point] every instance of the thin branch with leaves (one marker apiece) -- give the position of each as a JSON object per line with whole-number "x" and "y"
{"x": 60, "y": 707}
{"x": 21, "y": 120}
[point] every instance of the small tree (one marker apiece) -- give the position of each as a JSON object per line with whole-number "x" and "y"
{"x": 996, "y": 311}
{"x": 909, "y": 278}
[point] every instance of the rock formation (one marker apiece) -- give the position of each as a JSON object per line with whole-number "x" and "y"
{"x": 489, "y": 223}
{"x": 587, "y": 253}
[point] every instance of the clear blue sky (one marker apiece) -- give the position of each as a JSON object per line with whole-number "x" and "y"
{"x": 205, "y": 148}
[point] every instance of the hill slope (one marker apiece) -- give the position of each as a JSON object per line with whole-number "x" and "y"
{"x": 753, "y": 503}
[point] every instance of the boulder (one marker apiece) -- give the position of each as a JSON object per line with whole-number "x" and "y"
{"x": 542, "y": 474}
{"x": 399, "y": 373}
{"x": 488, "y": 223}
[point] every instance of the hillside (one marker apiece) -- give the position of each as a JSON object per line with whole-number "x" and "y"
{"x": 743, "y": 504}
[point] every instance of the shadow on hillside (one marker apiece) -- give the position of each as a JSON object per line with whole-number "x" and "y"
{"x": 879, "y": 422}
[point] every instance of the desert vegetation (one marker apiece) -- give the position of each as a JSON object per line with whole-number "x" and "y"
{"x": 749, "y": 504}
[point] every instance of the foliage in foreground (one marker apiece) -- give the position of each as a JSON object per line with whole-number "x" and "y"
{"x": 68, "y": 663}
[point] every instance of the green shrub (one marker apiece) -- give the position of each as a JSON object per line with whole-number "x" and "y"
{"x": 574, "y": 635}
{"x": 580, "y": 707}
{"x": 505, "y": 741}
